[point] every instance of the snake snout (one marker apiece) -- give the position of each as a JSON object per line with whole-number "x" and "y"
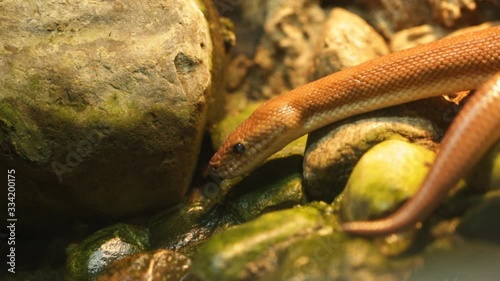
{"x": 214, "y": 167}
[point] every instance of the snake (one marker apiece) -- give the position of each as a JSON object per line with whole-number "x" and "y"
{"x": 452, "y": 64}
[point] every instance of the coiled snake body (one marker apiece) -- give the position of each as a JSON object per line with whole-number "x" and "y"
{"x": 464, "y": 62}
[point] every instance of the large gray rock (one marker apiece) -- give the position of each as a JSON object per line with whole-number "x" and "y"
{"x": 102, "y": 104}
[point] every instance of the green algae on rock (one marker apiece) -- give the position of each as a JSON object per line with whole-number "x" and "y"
{"x": 103, "y": 98}
{"x": 267, "y": 190}
{"x": 333, "y": 256}
{"x": 186, "y": 226}
{"x": 303, "y": 243}
{"x": 235, "y": 254}
{"x": 384, "y": 177}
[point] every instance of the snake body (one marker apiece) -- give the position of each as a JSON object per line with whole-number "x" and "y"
{"x": 449, "y": 65}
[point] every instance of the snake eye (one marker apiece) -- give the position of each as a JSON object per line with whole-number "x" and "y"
{"x": 238, "y": 148}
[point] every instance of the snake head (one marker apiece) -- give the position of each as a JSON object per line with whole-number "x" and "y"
{"x": 242, "y": 151}
{"x": 250, "y": 143}
{"x": 229, "y": 159}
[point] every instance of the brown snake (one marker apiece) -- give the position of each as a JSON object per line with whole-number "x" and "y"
{"x": 446, "y": 66}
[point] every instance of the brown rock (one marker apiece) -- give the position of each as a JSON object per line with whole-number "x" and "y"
{"x": 415, "y": 36}
{"x": 347, "y": 40}
{"x": 390, "y": 16}
{"x": 284, "y": 54}
{"x": 451, "y": 12}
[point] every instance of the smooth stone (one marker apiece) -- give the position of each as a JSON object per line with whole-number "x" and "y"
{"x": 387, "y": 175}
{"x": 89, "y": 258}
{"x": 268, "y": 189}
{"x": 347, "y": 40}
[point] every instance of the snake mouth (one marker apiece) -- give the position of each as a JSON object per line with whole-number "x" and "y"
{"x": 214, "y": 167}
{"x": 216, "y": 170}
{"x": 219, "y": 173}
{"x": 215, "y": 176}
